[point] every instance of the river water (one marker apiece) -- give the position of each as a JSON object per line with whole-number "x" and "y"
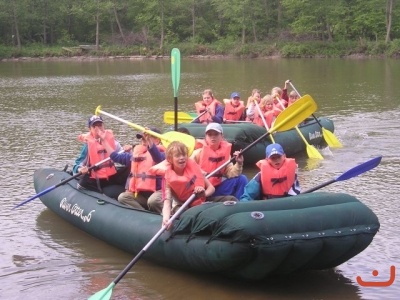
{"x": 44, "y": 105}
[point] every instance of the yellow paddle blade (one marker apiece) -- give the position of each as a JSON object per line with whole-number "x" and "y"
{"x": 312, "y": 152}
{"x": 166, "y": 138}
{"x": 169, "y": 117}
{"x": 294, "y": 114}
{"x": 331, "y": 139}
{"x": 172, "y": 136}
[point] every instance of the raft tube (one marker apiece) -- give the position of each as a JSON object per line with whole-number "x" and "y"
{"x": 245, "y": 240}
{"x": 243, "y": 134}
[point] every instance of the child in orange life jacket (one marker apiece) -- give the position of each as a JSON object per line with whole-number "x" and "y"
{"x": 229, "y": 181}
{"x": 234, "y": 108}
{"x": 183, "y": 177}
{"x": 270, "y": 112}
{"x": 214, "y": 109}
{"x": 143, "y": 189}
{"x": 106, "y": 178}
{"x": 277, "y": 177}
{"x": 251, "y": 108}
{"x": 279, "y": 102}
{"x": 293, "y": 97}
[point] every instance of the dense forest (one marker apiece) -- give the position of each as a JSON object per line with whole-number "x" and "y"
{"x": 288, "y": 28}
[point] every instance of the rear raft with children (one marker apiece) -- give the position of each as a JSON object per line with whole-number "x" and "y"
{"x": 246, "y": 240}
{"x": 243, "y": 134}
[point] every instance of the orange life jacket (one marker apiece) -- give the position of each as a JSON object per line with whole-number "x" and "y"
{"x": 140, "y": 179}
{"x": 270, "y": 116}
{"x": 256, "y": 118}
{"x": 183, "y": 186}
{"x": 276, "y": 183}
{"x": 210, "y": 160}
{"x": 233, "y": 112}
{"x": 201, "y": 107}
{"x": 97, "y": 152}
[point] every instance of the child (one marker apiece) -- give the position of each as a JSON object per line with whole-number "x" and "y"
{"x": 270, "y": 112}
{"x": 277, "y": 177}
{"x": 279, "y": 102}
{"x": 234, "y": 108}
{"x": 293, "y": 96}
{"x": 183, "y": 177}
{"x": 214, "y": 110}
{"x": 251, "y": 106}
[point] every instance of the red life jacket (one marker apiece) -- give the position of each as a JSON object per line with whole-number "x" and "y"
{"x": 210, "y": 160}
{"x": 201, "y": 107}
{"x": 97, "y": 152}
{"x": 233, "y": 112}
{"x": 276, "y": 183}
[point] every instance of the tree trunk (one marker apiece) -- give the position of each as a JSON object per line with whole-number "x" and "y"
{"x": 97, "y": 31}
{"x": 15, "y": 20}
{"x": 162, "y": 27}
{"x": 279, "y": 20}
{"x": 45, "y": 23}
{"x": 97, "y": 26}
{"x": 329, "y": 30}
{"x": 193, "y": 19}
{"x": 389, "y": 10}
{"x": 118, "y": 23}
{"x": 254, "y": 31}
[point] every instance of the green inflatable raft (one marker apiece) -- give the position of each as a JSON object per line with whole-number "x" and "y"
{"x": 243, "y": 134}
{"x": 246, "y": 240}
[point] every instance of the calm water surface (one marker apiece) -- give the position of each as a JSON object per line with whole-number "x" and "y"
{"x": 45, "y": 105}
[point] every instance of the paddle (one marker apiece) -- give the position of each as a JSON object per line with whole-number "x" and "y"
{"x": 176, "y": 77}
{"x": 328, "y": 136}
{"x": 312, "y": 152}
{"x": 183, "y": 117}
{"x": 166, "y": 138}
{"x": 49, "y": 189}
{"x": 353, "y": 172}
{"x": 263, "y": 119}
{"x": 285, "y": 121}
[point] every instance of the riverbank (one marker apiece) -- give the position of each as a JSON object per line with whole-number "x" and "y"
{"x": 223, "y": 50}
{"x": 157, "y": 57}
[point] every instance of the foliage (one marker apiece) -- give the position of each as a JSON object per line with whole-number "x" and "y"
{"x": 242, "y": 28}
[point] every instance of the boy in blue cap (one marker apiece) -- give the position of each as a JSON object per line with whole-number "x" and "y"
{"x": 277, "y": 177}
{"x": 234, "y": 109}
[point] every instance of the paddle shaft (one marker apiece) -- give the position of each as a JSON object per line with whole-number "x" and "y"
{"x": 353, "y": 172}
{"x": 138, "y": 127}
{"x": 263, "y": 119}
{"x": 204, "y": 112}
{"x": 315, "y": 118}
{"x": 261, "y": 114}
{"x": 312, "y": 152}
{"x": 49, "y": 189}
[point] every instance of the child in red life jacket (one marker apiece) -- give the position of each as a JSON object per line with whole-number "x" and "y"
{"x": 183, "y": 177}
{"x": 234, "y": 109}
{"x": 229, "y": 182}
{"x": 143, "y": 189}
{"x": 209, "y": 109}
{"x": 277, "y": 177}
{"x": 105, "y": 178}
